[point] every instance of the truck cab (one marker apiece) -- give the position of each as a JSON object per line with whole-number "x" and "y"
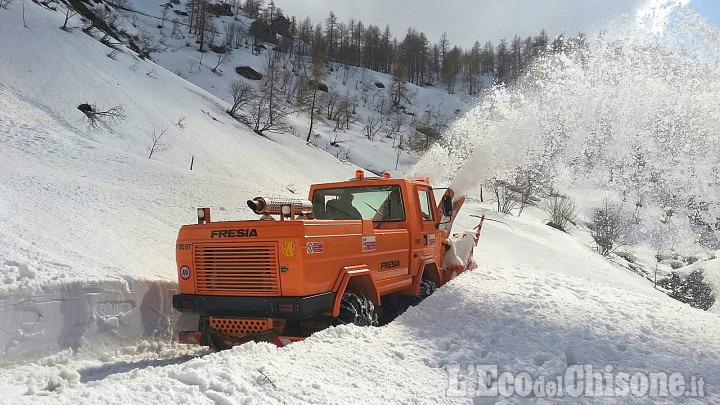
{"x": 353, "y": 251}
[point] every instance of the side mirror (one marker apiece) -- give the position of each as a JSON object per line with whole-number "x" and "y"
{"x": 447, "y": 206}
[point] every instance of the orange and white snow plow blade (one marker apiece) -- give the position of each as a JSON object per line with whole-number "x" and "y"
{"x": 459, "y": 256}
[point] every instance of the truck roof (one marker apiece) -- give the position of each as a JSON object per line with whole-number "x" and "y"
{"x": 371, "y": 180}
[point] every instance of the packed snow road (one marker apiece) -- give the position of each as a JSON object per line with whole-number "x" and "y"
{"x": 539, "y": 303}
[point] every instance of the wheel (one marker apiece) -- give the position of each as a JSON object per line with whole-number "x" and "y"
{"x": 427, "y": 287}
{"x": 357, "y": 309}
{"x": 392, "y": 307}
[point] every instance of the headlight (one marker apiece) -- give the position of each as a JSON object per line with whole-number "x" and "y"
{"x": 285, "y": 210}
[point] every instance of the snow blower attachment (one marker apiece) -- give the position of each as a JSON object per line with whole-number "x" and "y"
{"x": 360, "y": 251}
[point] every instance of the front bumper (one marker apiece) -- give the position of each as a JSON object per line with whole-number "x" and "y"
{"x": 295, "y": 308}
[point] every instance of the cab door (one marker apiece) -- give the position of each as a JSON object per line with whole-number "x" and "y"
{"x": 429, "y": 243}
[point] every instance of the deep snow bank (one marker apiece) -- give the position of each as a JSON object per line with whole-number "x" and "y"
{"x": 89, "y": 317}
{"x": 87, "y": 222}
{"x": 539, "y": 302}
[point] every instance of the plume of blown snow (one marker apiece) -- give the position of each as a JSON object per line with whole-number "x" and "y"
{"x": 630, "y": 116}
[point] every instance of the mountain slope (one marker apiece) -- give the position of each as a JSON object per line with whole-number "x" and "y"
{"x": 85, "y": 205}
{"x": 539, "y": 302}
{"x": 87, "y": 228}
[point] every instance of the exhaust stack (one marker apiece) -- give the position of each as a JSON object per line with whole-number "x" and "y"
{"x": 280, "y": 206}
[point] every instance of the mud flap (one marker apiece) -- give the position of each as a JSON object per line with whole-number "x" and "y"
{"x": 187, "y": 322}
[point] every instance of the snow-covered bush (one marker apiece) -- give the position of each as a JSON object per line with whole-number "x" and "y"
{"x": 561, "y": 211}
{"x": 608, "y": 226}
{"x": 691, "y": 289}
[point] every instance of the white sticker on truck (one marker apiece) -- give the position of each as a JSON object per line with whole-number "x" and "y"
{"x": 315, "y": 247}
{"x": 368, "y": 244}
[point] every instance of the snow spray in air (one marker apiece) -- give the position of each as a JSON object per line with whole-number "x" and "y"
{"x": 630, "y": 116}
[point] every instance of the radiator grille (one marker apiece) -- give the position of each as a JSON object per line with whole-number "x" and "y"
{"x": 238, "y": 269}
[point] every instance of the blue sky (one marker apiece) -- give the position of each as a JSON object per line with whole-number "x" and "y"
{"x": 466, "y": 21}
{"x": 710, "y": 9}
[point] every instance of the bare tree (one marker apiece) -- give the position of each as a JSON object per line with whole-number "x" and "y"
{"x": 269, "y": 111}
{"x": 398, "y": 90}
{"x": 200, "y": 22}
{"x": 528, "y": 186}
{"x": 505, "y": 196}
{"x": 396, "y": 121}
{"x": 176, "y": 29}
{"x": 157, "y": 141}
{"x": 134, "y": 19}
{"x": 331, "y": 101}
{"x": 346, "y": 73}
{"x": 69, "y": 13}
{"x": 348, "y": 112}
{"x": 146, "y": 44}
{"x": 252, "y": 8}
{"x": 94, "y": 115}
{"x": 241, "y": 36}
{"x": 110, "y": 16}
{"x": 286, "y": 80}
{"x": 242, "y": 94}
{"x": 164, "y": 14}
{"x": 222, "y": 58}
{"x": 230, "y": 31}
{"x": 308, "y": 96}
{"x": 373, "y": 125}
{"x": 365, "y": 84}
{"x": 267, "y": 115}
{"x": 399, "y": 147}
{"x": 308, "y": 99}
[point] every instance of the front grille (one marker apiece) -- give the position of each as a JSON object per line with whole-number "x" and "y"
{"x": 238, "y": 269}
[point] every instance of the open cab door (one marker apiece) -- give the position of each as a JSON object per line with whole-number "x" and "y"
{"x": 448, "y": 208}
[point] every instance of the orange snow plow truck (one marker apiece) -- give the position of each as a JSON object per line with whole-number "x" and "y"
{"x": 360, "y": 251}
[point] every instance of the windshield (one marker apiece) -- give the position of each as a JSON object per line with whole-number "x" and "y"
{"x": 379, "y": 203}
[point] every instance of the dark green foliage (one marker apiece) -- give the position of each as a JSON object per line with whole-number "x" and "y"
{"x": 691, "y": 290}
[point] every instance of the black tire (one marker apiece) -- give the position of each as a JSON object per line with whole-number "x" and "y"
{"x": 392, "y": 307}
{"x": 427, "y": 287}
{"x": 357, "y": 309}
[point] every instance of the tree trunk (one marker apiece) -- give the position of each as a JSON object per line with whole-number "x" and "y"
{"x": 312, "y": 116}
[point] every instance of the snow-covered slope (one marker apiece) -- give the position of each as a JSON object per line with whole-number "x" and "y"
{"x": 83, "y": 210}
{"x": 87, "y": 228}
{"x": 539, "y": 302}
{"x": 179, "y": 54}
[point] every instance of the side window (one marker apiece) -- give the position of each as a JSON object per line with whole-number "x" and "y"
{"x": 426, "y": 205}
